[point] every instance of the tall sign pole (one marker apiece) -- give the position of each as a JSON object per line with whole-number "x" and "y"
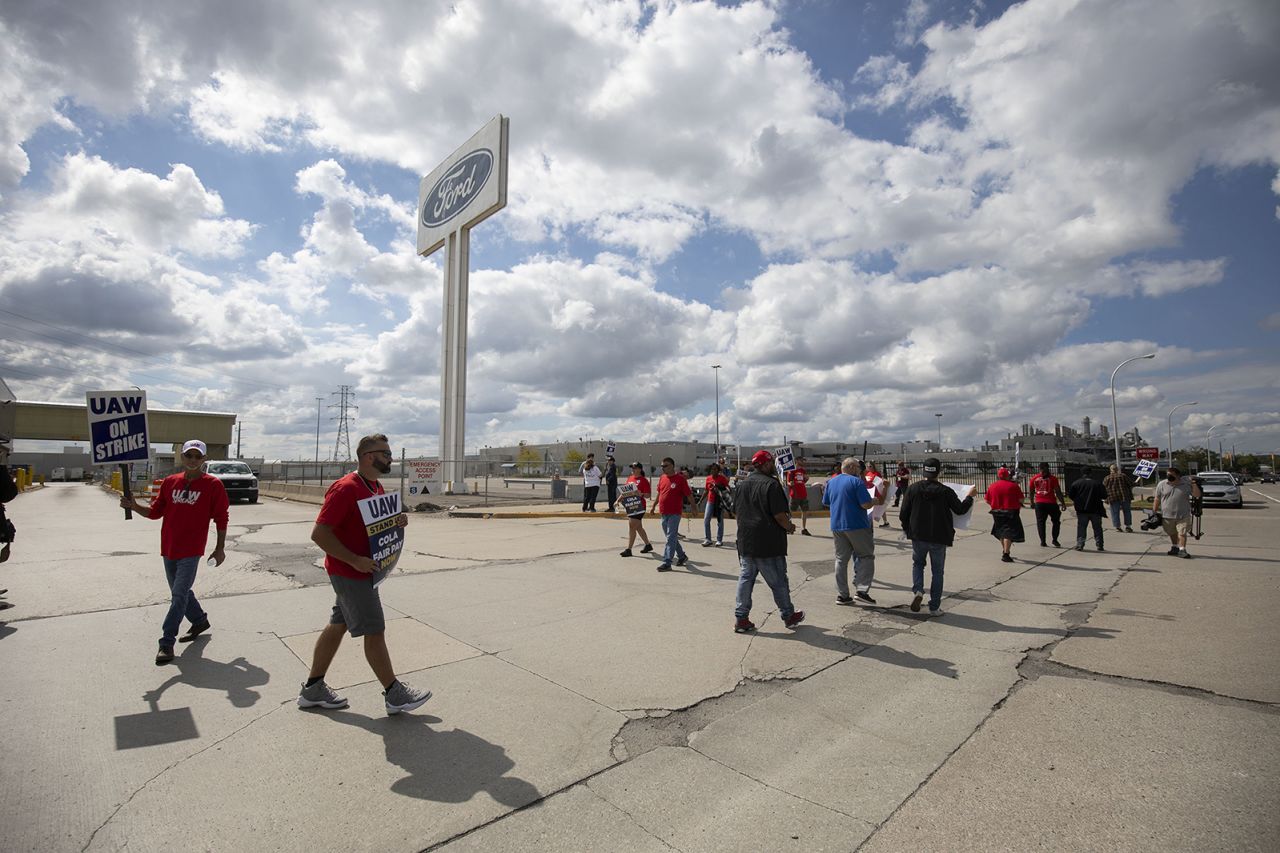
{"x": 467, "y": 188}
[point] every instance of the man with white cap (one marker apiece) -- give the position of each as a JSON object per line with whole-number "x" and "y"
{"x": 187, "y": 502}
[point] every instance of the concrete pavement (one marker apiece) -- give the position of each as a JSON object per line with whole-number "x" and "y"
{"x": 1070, "y": 700}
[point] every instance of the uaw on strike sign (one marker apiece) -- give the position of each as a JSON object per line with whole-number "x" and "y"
{"x": 384, "y": 523}
{"x": 117, "y": 426}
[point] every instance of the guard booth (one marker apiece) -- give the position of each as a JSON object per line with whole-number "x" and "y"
{"x": 559, "y": 490}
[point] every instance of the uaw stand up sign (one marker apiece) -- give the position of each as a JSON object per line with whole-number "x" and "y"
{"x": 465, "y": 189}
{"x": 118, "y": 431}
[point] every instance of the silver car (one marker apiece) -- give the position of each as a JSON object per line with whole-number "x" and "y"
{"x": 1219, "y": 488}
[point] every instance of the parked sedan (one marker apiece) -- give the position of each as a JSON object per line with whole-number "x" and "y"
{"x": 1220, "y": 489}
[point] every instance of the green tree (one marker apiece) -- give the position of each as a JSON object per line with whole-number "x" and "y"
{"x": 573, "y": 461}
{"x": 527, "y": 459}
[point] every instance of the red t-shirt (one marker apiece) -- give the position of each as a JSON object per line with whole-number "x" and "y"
{"x": 341, "y": 513}
{"x": 716, "y": 480}
{"x": 187, "y": 507}
{"x": 796, "y": 479}
{"x": 875, "y": 484}
{"x": 642, "y": 488}
{"x": 1044, "y": 488}
{"x": 1004, "y": 494}
{"x": 672, "y": 490}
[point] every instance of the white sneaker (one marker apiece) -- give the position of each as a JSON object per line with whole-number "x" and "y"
{"x": 706, "y": 543}
{"x": 320, "y": 695}
{"x": 402, "y": 697}
{"x": 935, "y": 611}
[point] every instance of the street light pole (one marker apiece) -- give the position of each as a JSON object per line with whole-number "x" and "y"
{"x": 1115, "y": 421}
{"x": 1171, "y": 411}
{"x": 938, "y": 415}
{"x": 1207, "y": 448}
{"x": 319, "y": 476}
{"x": 716, "y": 368}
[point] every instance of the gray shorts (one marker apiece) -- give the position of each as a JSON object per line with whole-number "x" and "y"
{"x": 358, "y": 606}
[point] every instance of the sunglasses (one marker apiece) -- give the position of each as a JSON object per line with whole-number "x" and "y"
{"x": 192, "y": 455}
{"x": 386, "y": 453}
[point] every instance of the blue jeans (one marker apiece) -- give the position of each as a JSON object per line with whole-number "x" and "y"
{"x": 1118, "y": 507}
{"x": 670, "y": 527}
{"x": 181, "y": 575}
{"x": 713, "y": 509}
{"x": 1083, "y": 520}
{"x": 774, "y": 571}
{"x": 937, "y": 555}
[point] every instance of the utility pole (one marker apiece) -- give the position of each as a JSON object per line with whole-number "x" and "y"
{"x": 319, "y": 474}
{"x": 346, "y": 409}
{"x": 238, "y": 438}
{"x": 716, "y": 368}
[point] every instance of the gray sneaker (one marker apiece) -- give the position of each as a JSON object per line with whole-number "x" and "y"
{"x": 402, "y": 697}
{"x": 320, "y": 695}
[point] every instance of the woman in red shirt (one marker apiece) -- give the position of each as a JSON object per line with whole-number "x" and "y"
{"x": 716, "y": 482}
{"x": 1005, "y": 499}
{"x": 632, "y": 497}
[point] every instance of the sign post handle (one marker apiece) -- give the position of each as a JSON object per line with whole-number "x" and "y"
{"x": 124, "y": 487}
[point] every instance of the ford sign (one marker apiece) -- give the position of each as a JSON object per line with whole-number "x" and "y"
{"x": 453, "y": 192}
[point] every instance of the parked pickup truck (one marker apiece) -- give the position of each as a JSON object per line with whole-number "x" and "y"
{"x": 237, "y": 478}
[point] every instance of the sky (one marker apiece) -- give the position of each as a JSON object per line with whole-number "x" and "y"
{"x": 866, "y": 213}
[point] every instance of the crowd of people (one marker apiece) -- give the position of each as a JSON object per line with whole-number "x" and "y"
{"x": 857, "y": 496}
{"x": 762, "y": 502}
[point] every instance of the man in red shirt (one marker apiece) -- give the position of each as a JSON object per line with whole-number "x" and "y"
{"x": 673, "y": 491}
{"x": 1005, "y": 498}
{"x": 903, "y": 477}
{"x": 797, "y": 477}
{"x": 342, "y": 534}
{"x": 1046, "y": 495}
{"x": 186, "y": 504}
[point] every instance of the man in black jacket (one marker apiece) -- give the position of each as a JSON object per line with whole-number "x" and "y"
{"x": 1087, "y": 496}
{"x": 926, "y": 517}
{"x": 611, "y": 482}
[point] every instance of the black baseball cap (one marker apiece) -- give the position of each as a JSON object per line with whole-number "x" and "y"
{"x": 931, "y": 466}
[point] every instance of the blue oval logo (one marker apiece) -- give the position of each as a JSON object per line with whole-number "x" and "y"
{"x": 453, "y": 192}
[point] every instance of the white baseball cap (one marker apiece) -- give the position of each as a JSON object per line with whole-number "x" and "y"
{"x": 195, "y": 444}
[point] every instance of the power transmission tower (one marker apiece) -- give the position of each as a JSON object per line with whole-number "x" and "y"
{"x": 346, "y": 411}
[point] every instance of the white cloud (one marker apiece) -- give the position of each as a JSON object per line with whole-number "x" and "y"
{"x": 1028, "y": 185}
{"x": 172, "y": 213}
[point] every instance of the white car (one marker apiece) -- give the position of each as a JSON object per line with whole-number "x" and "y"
{"x": 1219, "y": 488}
{"x": 237, "y": 478}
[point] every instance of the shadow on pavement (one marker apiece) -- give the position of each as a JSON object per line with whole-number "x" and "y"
{"x": 991, "y": 626}
{"x": 238, "y": 677}
{"x": 815, "y": 636}
{"x": 692, "y": 568}
{"x": 449, "y": 766}
{"x": 937, "y": 666}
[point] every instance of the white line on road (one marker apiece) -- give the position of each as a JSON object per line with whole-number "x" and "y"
{"x": 1268, "y": 497}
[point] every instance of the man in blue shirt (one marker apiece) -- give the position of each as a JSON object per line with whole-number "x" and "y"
{"x": 847, "y": 496}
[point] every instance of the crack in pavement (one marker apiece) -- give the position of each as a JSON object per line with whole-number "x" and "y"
{"x": 634, "y": 820}
{"x": 1076, "y": 616}
{"x": 783, "y": 791}
{"x": 1038, "y": 664}
{"x": 178, "y": 763}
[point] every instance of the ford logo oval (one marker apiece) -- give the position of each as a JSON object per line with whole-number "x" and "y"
{"x": 457, "y": 188}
